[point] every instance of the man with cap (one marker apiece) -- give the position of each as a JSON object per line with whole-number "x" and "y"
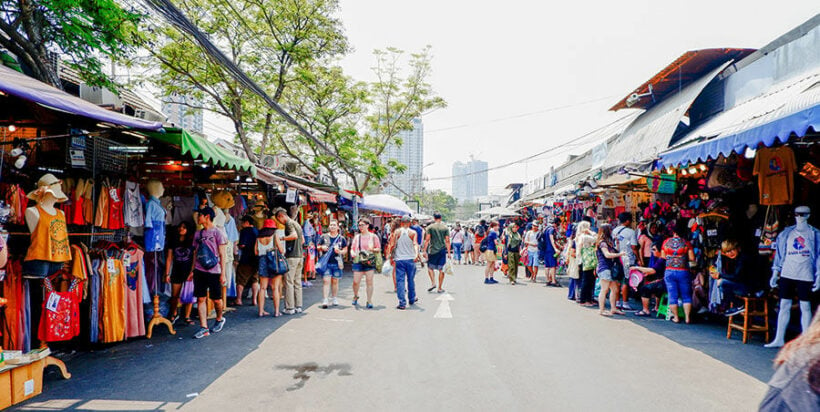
{"x": 531, "y": 243}
{"x": 437, "y": 245}
{"x": 209, "y": 271}
{"x": 403, "y": 250}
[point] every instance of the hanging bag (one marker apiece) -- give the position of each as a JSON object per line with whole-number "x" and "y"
{"x": 60, "y": 320}
{"x": 186, "y": 295}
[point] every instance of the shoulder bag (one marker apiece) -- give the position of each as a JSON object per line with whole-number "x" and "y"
{"x": 205, "y": 256}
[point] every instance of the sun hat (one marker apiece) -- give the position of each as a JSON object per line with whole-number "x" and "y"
{"x": 48, "y": 184}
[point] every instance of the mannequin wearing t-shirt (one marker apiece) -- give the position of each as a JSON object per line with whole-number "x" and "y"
{"x": 49, "y": 248}
{"x": 154, "y": 233}
{"x": 796, "y": 271}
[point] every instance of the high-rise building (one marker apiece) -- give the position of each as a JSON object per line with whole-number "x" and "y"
{"x": 410, "y": 154}
{"x": 469, "y": 180}
{"x": 180, "y": 113}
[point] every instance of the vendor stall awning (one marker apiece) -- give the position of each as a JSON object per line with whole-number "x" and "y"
{"x": 19, "y": 85}
{"x": 788, "y": 107}
{"x": 315, "y": 194}
{"x": 651, "y": 133}
{"x": 379, "y": 203}
{"x": 201, "y": 148}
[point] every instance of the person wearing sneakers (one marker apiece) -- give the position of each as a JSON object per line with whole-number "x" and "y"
{"x": 363, "y": 248}
{"x": 294, "y": 246}
{"x": 335, "y": 244}
{"x": 404, "y": 252}
{"x": 531, "y": 241}
{"x": 209, "y": 271}
{"x": 490, "y": 243}
{"x": 437, "y": 245}
{"x": 512, "y": 246}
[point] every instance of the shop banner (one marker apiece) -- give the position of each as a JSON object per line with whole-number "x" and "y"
{"x": 662, "y": 183}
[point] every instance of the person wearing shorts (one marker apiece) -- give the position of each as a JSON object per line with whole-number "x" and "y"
{"x": 437, "y": 245}
{"x": 490, "y": 254}
{"x": 208, "y": 280}
{"x": 270, "y": 240}
{"x": 246, "y": 276}
{"x": 335, "y": 244}
{"x": 531, "y": 243}
{"x": 178, "y": 265}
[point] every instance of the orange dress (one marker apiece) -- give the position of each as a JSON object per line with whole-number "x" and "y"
{"x": 113, "y": 300}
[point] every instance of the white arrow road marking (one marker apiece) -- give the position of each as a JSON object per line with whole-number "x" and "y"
{"x": 443, "y": 311}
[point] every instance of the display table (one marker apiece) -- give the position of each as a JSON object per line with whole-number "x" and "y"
{"x": 21, "y": 376}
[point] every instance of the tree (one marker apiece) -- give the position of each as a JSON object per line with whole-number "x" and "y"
{"x": 266, "y": 39}
{"x": 438, "y": 201}
{"x": 83, "y": 31}
{"x": 466, "y": 210}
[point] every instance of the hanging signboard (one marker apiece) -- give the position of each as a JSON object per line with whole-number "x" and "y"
{"x": 662, "y": 183}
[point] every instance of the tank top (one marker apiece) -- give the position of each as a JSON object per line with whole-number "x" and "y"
{"x": 49, "y": 241}
{"x": 405, "y": 248}
{"x": 264, "y": 249}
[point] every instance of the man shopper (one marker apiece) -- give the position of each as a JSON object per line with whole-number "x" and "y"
{"x": 209, "y": 271}
{"x": 336, "y": 245}
{"x": 548, "y": 248}
{"x": 294, "y": 241}
{"x": 626, "y": 241}
{"x": 512, "y": 245}
{"x": 404, "y": 252}
{"x": 531, "y": 241}
{"x": 437, "y": 245}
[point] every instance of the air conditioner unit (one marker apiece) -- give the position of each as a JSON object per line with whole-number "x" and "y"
{"x": 149, "y": 115}
{"x": 100, "y": 96}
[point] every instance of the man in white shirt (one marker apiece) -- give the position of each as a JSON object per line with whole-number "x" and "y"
{"x": 531, "y": 242}
{"x": 626, "y": 240}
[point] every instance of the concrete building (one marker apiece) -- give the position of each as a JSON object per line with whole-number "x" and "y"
{"x": 469, "y": 180}
{"x": 410, "y": 154}
{"x": 181, "y": 115}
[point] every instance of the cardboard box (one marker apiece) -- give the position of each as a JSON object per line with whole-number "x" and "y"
{"x": 27, "y": 381}
{"x": 5, "y": 389}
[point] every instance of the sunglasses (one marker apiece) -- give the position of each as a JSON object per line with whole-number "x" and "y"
{"x": 802, "y": 214}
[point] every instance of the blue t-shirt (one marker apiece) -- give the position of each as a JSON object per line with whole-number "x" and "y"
{"x": 418, "y": 230}
{"x": 154, "y": 226}
{"x": 491, "y": 239}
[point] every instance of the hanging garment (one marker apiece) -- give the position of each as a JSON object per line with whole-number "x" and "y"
{"x": 15, "y": 307}
{"x": 88, "y": 202}
{"x": 775, "y": 169}
{"x": 78, "y": 263}
{"x": 113, "y": 300}
{"x": 154, "y": 226}
{"x": 76, "y": 215}
{"x": 94, "y": 301}
{"x": 116, "y": 204}
{"x": 132, "y": 210}
{"x": 134, "y": 316}
{"x": 60, "y": 318}
{"x": 103, "y": 207}
{"x": 49, "y": 241}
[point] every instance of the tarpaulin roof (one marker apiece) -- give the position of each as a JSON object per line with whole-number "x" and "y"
{"x": 19, "y": 85}
{"x": 200, "y": 148}
{"x": 788, "y": 107}
{"x": 379, "y": 203}
{"x": 687, "y": 68}
{"x": 316, "y": 195}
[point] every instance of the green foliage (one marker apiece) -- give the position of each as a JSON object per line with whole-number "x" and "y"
{"x": 82, "y": 31}
{"x": 466, "y": 210}
{"x": 438, "y": 201}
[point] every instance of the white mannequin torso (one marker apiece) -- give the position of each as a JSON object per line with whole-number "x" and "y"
{"x": 33, "y": 214}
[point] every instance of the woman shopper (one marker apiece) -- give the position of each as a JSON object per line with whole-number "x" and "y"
{"x": 457, "y": 240}
{"x": 679, "y": 258}
{"x": 585, "y": 253}
{"x": 610, "y": 271}
{"x": 270, "y": 239}
{"x": 178, "y": 268}
{"x": 490, "y": 255}
{"x": 469, "y": 245}
{"x": 653, "y": 283}
{"x": 334, "y": 244}
{"x": 363, "y": 245}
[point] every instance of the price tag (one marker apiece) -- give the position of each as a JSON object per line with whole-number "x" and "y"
{"x": 52, "y": 302}
{"x": 758, "y": 232}
{"x": 711, "y": 232}
{"x": 126, "y": 258}
{"x": 109, "y": 264}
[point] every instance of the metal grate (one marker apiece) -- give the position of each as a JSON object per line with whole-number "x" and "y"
{"x": 98, "y": 158}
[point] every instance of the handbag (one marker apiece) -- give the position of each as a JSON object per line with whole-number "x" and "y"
{"x": 276, "y": 261}
{"x": 205, "y": 256}
{"x": 589, "y": 260}
{"x": 366, "y": 257}
{"x": 60, "y": 319}
{"x": 186, "y": 294}
{"x": 322, "y": 264}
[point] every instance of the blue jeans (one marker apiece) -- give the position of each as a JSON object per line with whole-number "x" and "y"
{"x": 731, "y": 290}
{"x": 457, "y": 251}
{"x": 678, "y": 285}
{"x": 405, "y": 272}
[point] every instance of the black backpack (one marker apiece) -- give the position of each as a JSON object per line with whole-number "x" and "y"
{"x": 480, "y": 231}
{"x": 485, "y": 244}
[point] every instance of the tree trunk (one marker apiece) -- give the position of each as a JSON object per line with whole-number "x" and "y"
{"x": 239, "y": 126}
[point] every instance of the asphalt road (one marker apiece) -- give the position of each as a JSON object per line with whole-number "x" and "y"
{"x": 523, "y": 347}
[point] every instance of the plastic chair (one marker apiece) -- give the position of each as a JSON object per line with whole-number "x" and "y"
{"x": 663, "y": 308}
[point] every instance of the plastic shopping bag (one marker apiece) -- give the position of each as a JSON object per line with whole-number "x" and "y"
{"x": 448, "y": 267}
{"x": 186, "y": 295}
{"x": 387, "y": 268}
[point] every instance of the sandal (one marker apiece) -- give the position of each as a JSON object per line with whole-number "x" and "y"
{"x": 618, "y": 312}
{"x": 643, "y": 313}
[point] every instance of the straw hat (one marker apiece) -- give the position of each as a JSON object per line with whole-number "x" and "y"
{"x": 48, "y": 184}
{"x": 223, "y": 199}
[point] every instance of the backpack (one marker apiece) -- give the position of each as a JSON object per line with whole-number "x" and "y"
{"x": 484, "y": 245}
{"x": 480, "y": 231}
{"x": 205, "y": 256}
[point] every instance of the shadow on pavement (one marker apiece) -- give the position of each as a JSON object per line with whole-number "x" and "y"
{"x": 166, "y": 371}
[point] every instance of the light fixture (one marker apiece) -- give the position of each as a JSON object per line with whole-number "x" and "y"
{"x": 670, "y": 170}
{"x": 750, "y": 153}
{"x": 248, "y": 179}
{"x": 683, "y": 172}
{"x": 12, "y": 128}
{"x": 20, "y": 162}
{"x": 693, "y": 170}
{"x": 702, "y": 167}
{"x": 128, "y": 149}
{"x": 328, "y": 212}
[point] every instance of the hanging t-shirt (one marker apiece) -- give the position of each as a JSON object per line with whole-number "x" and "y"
{"x": 775, "y": 170}
{"x": 135, "y": 272}
{"x": 154, "y": 226}
{"x": 113, "y": 300}
{"x": 132, "y": 213}
{"x": 798, "y": 264}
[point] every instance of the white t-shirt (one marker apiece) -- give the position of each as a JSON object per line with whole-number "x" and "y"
{"x": 797, "y": 263}
{"x": 458, "y": 236}
{"x": 625, "y": 238}
{"x": 531, "y": 239}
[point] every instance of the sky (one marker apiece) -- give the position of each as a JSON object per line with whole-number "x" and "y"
{"x": 522, "y": 76}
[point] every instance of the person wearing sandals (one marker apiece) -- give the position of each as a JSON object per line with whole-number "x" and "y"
{"x": 585, "y": 250}
{"x": 404, "y": 253}
{"x": 679, "y": 258}
{"x": 364, "y": 241}
{"x": 437, "y": 246}
{"x": 178, "y": 266}
{"x": 608, "y": 273}
{"x": 335, "y": 244}
{"x": 269, "y": 239}
{"x": 653, "y": 283}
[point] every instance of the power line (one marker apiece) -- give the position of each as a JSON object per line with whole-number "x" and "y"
{"x": 520, "y": 115}
{"x": 551, "y": 149}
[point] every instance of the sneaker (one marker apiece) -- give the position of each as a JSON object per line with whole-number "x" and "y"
{"x": 218, "y": 326}
{"x": 369, "y": 305}
{"x": 335, "y": 302}
{"x": 413, "y": 302}
{"x": 735, "y": 311}
{"x": 289, "y": 311}
{"x": 324, "y": 303}
{"x": 626, "y": 306}
{"x": 492, "y": 280}
{"x": 487, "y": 281}
{"x": 298, "y": 310}
{"x": 356, "y": 301}
{"x": 201, "y": 333}
{"x": 401, "y": 307}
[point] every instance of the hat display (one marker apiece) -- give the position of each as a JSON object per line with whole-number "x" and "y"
{"x": 223, "y": 199}
{"x": 48, "y": 184}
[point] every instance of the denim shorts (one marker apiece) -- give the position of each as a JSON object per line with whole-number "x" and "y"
{"x": 332, "y": 271}
{"x": 358, "y": 267}
{"x": 40, "y": 268}
{"x": 605, "y": 274}
{"x": 532, "y": 259}
{"x": 264, "y": 272}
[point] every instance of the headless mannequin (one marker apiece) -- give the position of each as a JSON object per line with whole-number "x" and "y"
{"x": 47, "y": 203}
{"x": 784, "y": 315}
{"x": 154, "y": 247}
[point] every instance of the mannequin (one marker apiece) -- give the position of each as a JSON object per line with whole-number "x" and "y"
{"x": 796, "y": 269}
{"x": 154, "y": 247}
{"x": 223, "y": 200}
{"x": 49, "y": 248}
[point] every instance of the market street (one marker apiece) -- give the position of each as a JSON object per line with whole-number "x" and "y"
{"x": 521, "y": 347}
